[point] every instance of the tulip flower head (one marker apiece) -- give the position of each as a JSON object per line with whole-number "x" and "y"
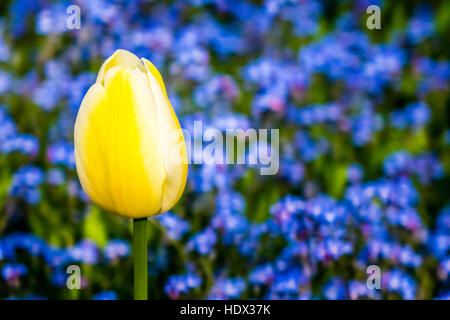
{"x": 130, "y": 153}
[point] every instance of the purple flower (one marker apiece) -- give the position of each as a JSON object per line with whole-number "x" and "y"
{"x": 26, "y": 182}
{"x": 11, "y": 272}
{"x": 262, "y": 275}
{"x": 116, "y": 249}
{"x": 421, "y": 26}
{"x": 334, "y": 289}
{"x": 62, "y": 153}
{"x": 23, "y": 143}
{"x": 355, "y": 173}
{"x": 359, "y": 290}
{"x": 59, "y": 278}
{"x": 444, "y": 296}
{"x": 105, "y": 295}
{"x": 229, "y": 288}
{"x": 399, "y": 282}
{"x": 85, "y": 252}
{"x": 414, "y": 115}
{"x": 288, "y": 283}
{"x": 203, "y": 242}
{"x": 5, "y": 82}
{"x": 221, "y": 89}
{"x": 55, "y": 177}
{"x": 181, "y": 283}
{"x": 174, "y": 226}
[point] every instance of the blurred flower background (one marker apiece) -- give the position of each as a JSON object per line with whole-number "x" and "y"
{"x": 364, "y": 149}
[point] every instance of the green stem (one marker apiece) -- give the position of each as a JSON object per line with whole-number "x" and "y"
{"x": 140, "y": 258}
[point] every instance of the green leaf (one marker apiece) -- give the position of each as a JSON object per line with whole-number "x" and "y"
{"x": 94, "y": 227}
{"x": 5, "y": 182}
{"x": 443, "y": 18}
{"x": 336, "y": 178}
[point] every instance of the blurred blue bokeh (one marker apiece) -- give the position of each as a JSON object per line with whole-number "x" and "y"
{"x": 364, "y": 149}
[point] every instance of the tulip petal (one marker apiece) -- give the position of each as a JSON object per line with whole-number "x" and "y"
{"x": 117, "y": 143}
{"x": 154, "y": 71}
{"x": 172, "y": 141}
{"x": 121, "y": 58}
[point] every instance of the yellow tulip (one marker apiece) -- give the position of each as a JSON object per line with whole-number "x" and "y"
{"x": 130, "y": 154}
